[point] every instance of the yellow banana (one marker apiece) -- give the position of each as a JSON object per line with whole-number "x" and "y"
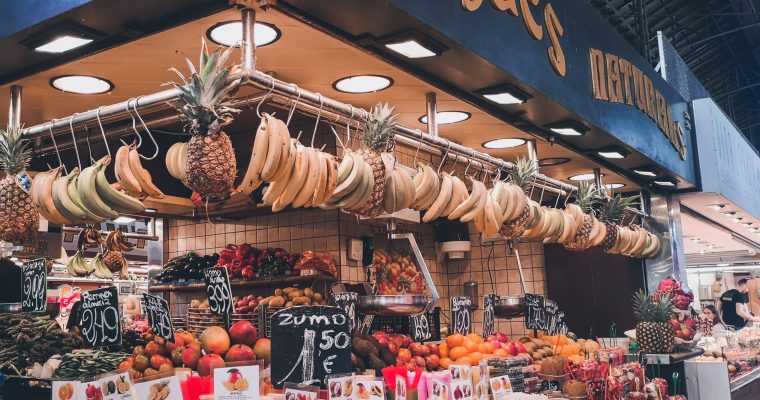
{"x": 63, "y": 202}
{"x": 116, "y": 200}
{"x": 124, "y": 174}
{"x": 441, "y": 201}
{"x": 297, "y": 177}
{"x": 143, "y": 176}
{"x": 252, "y": 178}
{"x": 88, "y": 192}
{"x": 307, "y": 190}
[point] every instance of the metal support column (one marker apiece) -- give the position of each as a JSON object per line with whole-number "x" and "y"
{"x": 248, "y": 50}
{"x": 598, "y": 179}
{"x": 665, "y": 221}
{"x": 14, "y": 109}
{"x": 432, "y": 114}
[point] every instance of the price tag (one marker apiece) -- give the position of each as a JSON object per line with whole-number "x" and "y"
{"x": 166, "y": 388}
{"x": 535, "y": 313}
{"x": 347, "y": 302}
{"x": 461, "y": 316}
{"x": 500, "y": 387}
{"x": 420, "y": 327}
{"x": 67, "y": 390}
{"x": 549, "y": 385}
{"x": 236, "y": 383}
{"x": 461, "y": 382}
{"x": 218, "y": 290}
{"x": 99, "y": 317}
{"x": 157, "y": 310}
{"x": 112, "y": 387}
{"x": 488, "y": 317}
{"x": 34, "y": 285}
{"x": 323, "y": 337}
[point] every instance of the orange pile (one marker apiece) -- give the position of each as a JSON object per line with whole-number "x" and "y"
{"x": 468, "y": 349}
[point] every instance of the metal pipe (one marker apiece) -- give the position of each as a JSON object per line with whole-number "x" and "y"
{"x": 431, "y": 107}
{"x": 14, "y": 108}
{"x": 248, "y": 50}
{"x": 532, "y": 150}
{"x": 598, "y": 179}
{"x": 105, "y": 233}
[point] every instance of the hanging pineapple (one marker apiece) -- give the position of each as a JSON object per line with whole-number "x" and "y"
{"x": 19, "y": 219}
{"x": 613, "y": 211}
{"x": 653, "y": 332}
{"x": 204, "y": 104}
{"x": 113, "y": 258}
{"x": 514, "y": 226}
{"x": 376, "y": 138}
{"x": 581, "y": 213}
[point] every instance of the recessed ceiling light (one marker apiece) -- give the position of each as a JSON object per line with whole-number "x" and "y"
{"x": 737, "y": 220}
{"x": 411, "y": 49}
{"x": 448, "y": 117}
{"x": 413, "y": 44}
{"x": 612, "y": 152}
{"x": 647, "y": 170}
{"x": 62, "y": 44}
{"x": 717, "y": 207}
{"x": 545, "y": 162}
{"x": 504, "y": 94}
{"x": 362, "y": 84}
{"x": 729, "y": 214}
{"x": 230, "y": 33}
{"x": 747, "y": 224}
{"x": 582, "y": 177}
{"x": 614, "y": 185}
{"x": 124, "y": 220}
{"x": 150, "y": 210}
{"x": 81, "y": 84}
{"x": 568, "y": 128}
{"x": 505, "y": 143}
{"x": 667, "y": 182}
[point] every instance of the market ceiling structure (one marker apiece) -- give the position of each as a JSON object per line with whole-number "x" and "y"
{"x": 718, "y": 39}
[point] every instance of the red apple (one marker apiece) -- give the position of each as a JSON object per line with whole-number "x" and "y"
{"x": 406, "y": 341}
{"x": 190, "y": 356}
{"x": 501, "y": 337}
{"x": 418, "y": 349}
{"x": 208, "y": 363}
{"x": 393, "y": 347}
{"x": 243, "y": 332}
{"x": 433, "y": 348}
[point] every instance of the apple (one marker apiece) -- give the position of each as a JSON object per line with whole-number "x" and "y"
{"x": 392, "y": 347}
{"x": 239, "y": 352}
{"x": 433, "y": 348}
{"x": 243, "y": 332}
{"x": 419, "y": 362}
{"x": 501, "y": 337}
{"x": 512, "y": 348}
{"x": 208, "y": 363}
{"x": 520, "y": 347}
{"x": 432, "y": 362}
{"x": 418, "y": 349}
{"x": 406, "y": 341}
{"x": 190, "y": 356}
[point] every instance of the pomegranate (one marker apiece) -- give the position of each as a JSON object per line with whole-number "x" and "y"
{"x": 208, "y": 363}
{"x": 243, "y": 332}
{"x": 263, "y": 350}
{"x": 239, "y": 352}
{"x": 215, "y": 340}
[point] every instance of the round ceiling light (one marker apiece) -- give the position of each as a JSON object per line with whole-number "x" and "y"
{"x": 546, "y": 162}
{"x": 505, "y": 143}
{"x": 230, "y": 33}
{"x": 582, "y": 177}
{"x": 362, "y": 84}
{"x": 448, "y": 117}
{"x": 82, "y": 84}
{"x": 614, "y": 185}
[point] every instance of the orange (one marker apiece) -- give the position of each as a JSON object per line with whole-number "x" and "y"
{"x": 475, "y": 337}
{"x": 486, "y": 348}
{"x": 500, "y": 352}
{"x": 454, "y": 340}
{"x": 464, "y": 361}
{"x": 470, "y": 345}
{"x": 443, "y": 349}
{"x": 445, "y": 362}
{"x": 475, "y": 357}
{"x": 458, "y": 352}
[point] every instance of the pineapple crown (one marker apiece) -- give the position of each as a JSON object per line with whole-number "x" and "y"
{"x": 647, "y": 309}
{"x": 204, "y": 94}
{"x": 614, "y": 207}
{"x": 15, "y": 153}
{"x": 526, "y": 168}
{"x": 378, "y": 127}
{"x": 585, "y": 197}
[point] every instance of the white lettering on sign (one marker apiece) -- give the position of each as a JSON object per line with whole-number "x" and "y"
{"x": 335, "y": 319}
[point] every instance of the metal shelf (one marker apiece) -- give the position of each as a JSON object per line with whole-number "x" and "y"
{"x": 193, "y": 287}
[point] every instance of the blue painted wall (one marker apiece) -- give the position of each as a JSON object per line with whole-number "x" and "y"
{"x": 18, "y": 15}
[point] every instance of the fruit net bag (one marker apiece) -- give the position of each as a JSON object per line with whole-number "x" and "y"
{"x": 397, "y": 271}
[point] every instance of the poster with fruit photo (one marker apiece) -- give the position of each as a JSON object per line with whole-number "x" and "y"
{"x": 341, "y": 387}
{"x": 112, "y": 387}
{"x": 238, "y": 383}
{"x": 159, "y": 389}
{"x": 300, "y": 392}
{"x": 500, "y": 387}
{"x": 67, "y": 390}
{"x": 461, "y": 382}
{"x": 368, "y": 388}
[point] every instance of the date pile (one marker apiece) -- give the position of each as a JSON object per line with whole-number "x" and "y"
{"x": 26, "y": 339}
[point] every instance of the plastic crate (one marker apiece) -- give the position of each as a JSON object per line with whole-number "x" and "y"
{"x": 402, "y": 324}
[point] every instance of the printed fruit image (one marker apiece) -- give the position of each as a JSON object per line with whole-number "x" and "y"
{"x": 208, "y": 363}
{"x": 235, "y": 381}
{"x": 239, "y": 352}
{"x": 93, "y": 393}
{"x": 215, "y": 340}
{"x": 159, "y": 391}
{"x": 122, "y": 386}
{"x": 263, "y": 350}
{"x": 65, "y": 392}
{"x": 243, "y": 332}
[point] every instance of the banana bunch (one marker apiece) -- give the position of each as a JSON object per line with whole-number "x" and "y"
{"x": 132, "y": 177}
{"x": 78, "y": 266}
{"x": 99, "y": 268}
{"x": 554, "y": 226}
{"x": 452, "y": 192}
{"x": 117, "y": 241}
{"x": 426, "y": 187}
{"x": 510, "y": 198}
{"x": 42, "y": 196}
{"x": 89, "y": 237}
{"x": 273, "y": 154}
{"x": 307, "y": 177}
{"x": 399, "y": 191}
{"x": 176, "y": 157}
{"x": 354, "y": 184}
{"x": 635, "y": 242}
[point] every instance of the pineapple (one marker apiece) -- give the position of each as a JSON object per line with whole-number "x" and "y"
{"x": 115, "y": 261}
{"x": 378, "y": 133}
{"x": 19, "y": 219}
{"x": 522, "y": 178}
{"x": 204, "y": 104}
{"x": 613, "y": 211}
{"x": 653, "y": 332}
{"x": 584, "y": 200}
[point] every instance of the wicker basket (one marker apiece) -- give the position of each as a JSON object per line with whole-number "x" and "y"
{"x": 199, "y": 319}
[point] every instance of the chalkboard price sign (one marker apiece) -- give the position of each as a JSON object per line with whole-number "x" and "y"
{"x": 323, "y": 337}
{"x": 218, "y": 290}
{"x": 461, "y": 315}
{"x": 157, "y": 310}
{"x": 99, "y": 317}
{"x": 488, "y": 317}
{"x": 346, "y": 301}
{"x": 34, "y": 285}
{"x": 549, "y": 385}
{"x": 420, "y": 327}
{"x": 535, "y": 315}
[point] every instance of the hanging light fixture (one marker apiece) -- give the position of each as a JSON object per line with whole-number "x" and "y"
{"x": 505, "y": 143}
{"x": 448, "y": 117}
{"x": 362, "y": 84}
{"x": 81, "y": 84}
{"x": 230, "y": 33}
{"x": 568, "y": 127}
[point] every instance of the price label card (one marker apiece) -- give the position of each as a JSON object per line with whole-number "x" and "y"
{"x": 461, "y": 382}
{"x": 311, "y": 342}
{"x": 535, "y": 313}
{"x": 99, "y": 317}
{"x": 347, "y": 302}
{"x": 461, "y": 315}
{"x": 67, "y": 390}
{"x": 549, "y": 385}
{"x": 157, "y": 310}
{"x": 114, "y": 387}
{"x": 341, "y": 388}
{"x": 400, "y": 388}
{"x": 369, "y": 388}
{"x": 236, "y": 383}
{"x": 218, "y": 290}
{"x": 500, "y": 387}
{"x": 295, "y": 394}
{"x": 165, "y": 389}
{"x": 488, "y": 316}
{"x": 34, "y": 285}
{"x": 440, "y": 389}
{"x": 420, "y": 327}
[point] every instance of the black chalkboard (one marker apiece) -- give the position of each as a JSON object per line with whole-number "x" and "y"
{"x": 34, "y": 285}
{"x": 218, "y": 290}
{"x": 549, "y": 385}
{"x": 365, "y": 325}
{"x": 535, "y": 315}
{"x": 346, "y": 301}
{"x": 99, "y": 317}
{"x": 420, "y": 327}
{"x": 488, "y": 322}
{"x": 311, "y": 342}
{"x": 157, "y": 311}
{"x": 461, "y": 315}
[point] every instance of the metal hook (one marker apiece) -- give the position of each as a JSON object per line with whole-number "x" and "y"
{"x": 419, "y": 143}
{"x": 543, "y": 188}
{"x": 348, "y": 126}
{"x": 55, "y": 146}
{"x": 337, "y": 137}
{"x": 469, "y": 161}
{"x": 150, "y": 135}
{"x": 258, "y": 106}
{"x": 89, "y": 148}
{"x": 556, "y": 203}
{"x": 295, "y": 104}
{"x": 319, "y": 115}
{"x": 454, "y": 171}
{"x": 445, "y": 157}
{"x": 102, "y": 132}
{"x": 74, "y": 139}
{"x": 134, "y": 127}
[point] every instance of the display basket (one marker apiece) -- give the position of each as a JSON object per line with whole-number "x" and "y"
{"x": 198, "y": 319}
{"x": 403, "y": 324}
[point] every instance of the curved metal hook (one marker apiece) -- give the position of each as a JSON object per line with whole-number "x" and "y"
{"x": 258, "y": 106}
{"x": 319, "y": 115}
{"x": 445, "y": 157}
{"x": 419, "y": 143}
{"x": 102, "y": 132}
{"x": 89, "y": 148}
{"x": 454, "y": 171}
{"x": 74, "y": 139}
{"x": 348, "y": 126}
{"x": 337, "y": 137}
{"x": 466, "y": 168}
{"x": 150, "y": 135}
{"x": 134, "y": 127}
{"x": 295, "y": 105}
{"x": 55, "y": 146}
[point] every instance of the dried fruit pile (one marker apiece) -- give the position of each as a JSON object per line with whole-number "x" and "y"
{"x": 88, "y": 363}
{"x": 26, "y": 339}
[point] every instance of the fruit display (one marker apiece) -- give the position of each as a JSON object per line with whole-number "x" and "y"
{"x": 653, "y": 332}
{"x": 184, "y": 267}
{"x": 396, "y": 272}
{"x": 113, "y": 258}
{"x": 274, "y": 262}
{"x": 248, "y": 262}
{"x": 26, "y": 339}
{"x": 176, "y": 159}
{"x": 320, "y": 262}
{"x": 247, "y": 304}
{"x": 19, "y": 219}
{"x": 88, "y": 363}
{"x": 293, "y": 296}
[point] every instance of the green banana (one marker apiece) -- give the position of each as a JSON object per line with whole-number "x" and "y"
{"x": 118, "y": 201}
{"x": 63, "y": 202}
{"x": 76, "y": 197}
{"x": 88, "y": 192}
